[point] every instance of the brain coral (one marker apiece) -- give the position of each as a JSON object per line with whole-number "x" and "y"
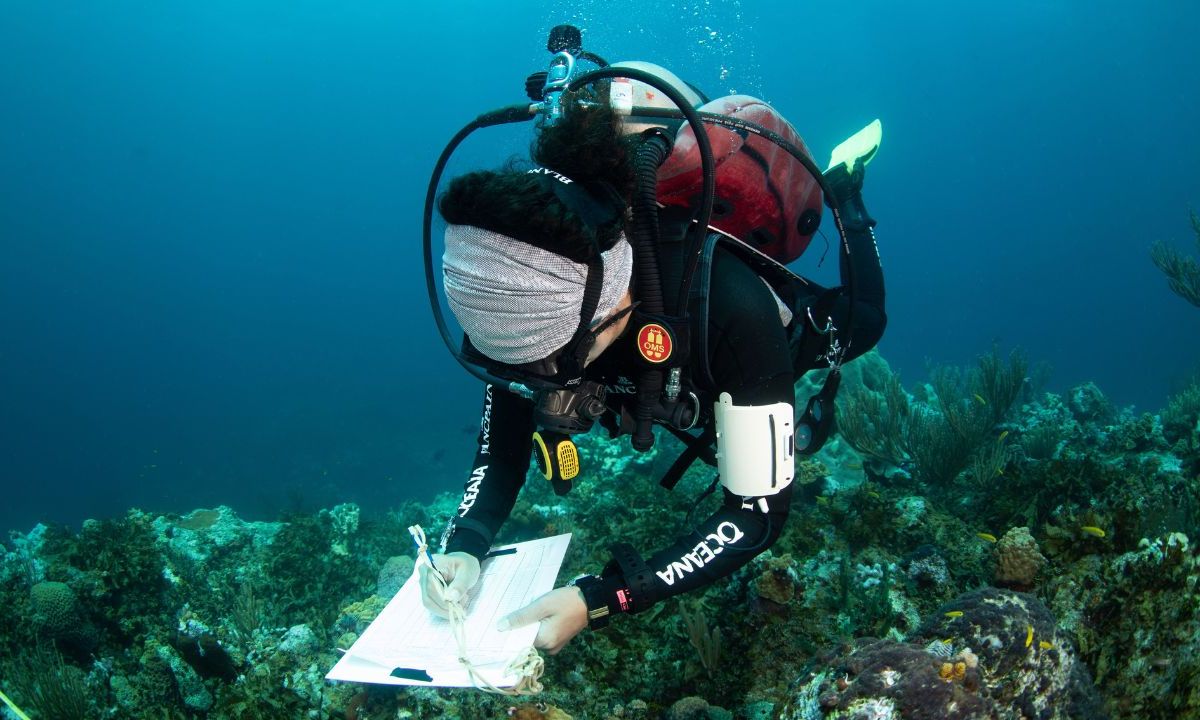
{"x": 53, "y": 607}
{"x": 56, "y": 616}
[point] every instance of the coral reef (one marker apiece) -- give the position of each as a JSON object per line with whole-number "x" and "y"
{"x": 967, "y": 547}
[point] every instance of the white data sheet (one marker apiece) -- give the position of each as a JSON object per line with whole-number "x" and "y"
{"x": 408, "y": 645}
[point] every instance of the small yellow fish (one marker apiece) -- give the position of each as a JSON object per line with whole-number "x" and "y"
{"x": 980, "y": 399}
{"x": 1093, "y": 530}
{"x": 822, "y": 500}
{"x": 1028, "y": 635}
{"x": 949, "y": 641}
{"x": 873, "y": 494}
{"x": 855, "y": 466}
{"x": 954, "y": 614}
{"x": 986, "y": 536}
{"x": 1045, "y": 645}
{"x": 1003, "y": 435}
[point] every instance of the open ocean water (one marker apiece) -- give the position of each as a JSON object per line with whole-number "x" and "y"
{"x": 211, "y": 289}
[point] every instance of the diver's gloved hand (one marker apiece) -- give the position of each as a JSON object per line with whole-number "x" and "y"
{"x": 461, "y": 572}
{"x": 534, "y": 84}
{"x": 563, "y": 614}
{"x": 846, "y": 185}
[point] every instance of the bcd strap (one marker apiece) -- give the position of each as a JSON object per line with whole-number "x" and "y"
{"x": 699, "y": 446}
{"x": 698, "y": 309}
{"x": 576, "y": 350}
{"x": 597, "y": 204}
{"x": 638, "y": 575}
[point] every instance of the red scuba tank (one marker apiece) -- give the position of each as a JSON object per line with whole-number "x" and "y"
{"x": 764, "y": 197}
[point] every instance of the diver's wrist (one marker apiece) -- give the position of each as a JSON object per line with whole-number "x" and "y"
{"x": 604, "y": 598}
{"x": 468, "y": 541}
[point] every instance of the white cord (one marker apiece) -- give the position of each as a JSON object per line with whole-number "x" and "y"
{"x": 527, "y": 665}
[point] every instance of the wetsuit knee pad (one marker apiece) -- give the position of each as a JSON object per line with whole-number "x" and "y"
{"x": 755, "y": 446}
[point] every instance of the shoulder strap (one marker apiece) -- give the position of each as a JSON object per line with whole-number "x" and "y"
{"x": 698, "y": 309}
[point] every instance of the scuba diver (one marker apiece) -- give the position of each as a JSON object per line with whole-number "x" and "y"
{"x": 635, "y": 274}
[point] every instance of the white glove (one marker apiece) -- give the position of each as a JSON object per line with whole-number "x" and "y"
{"x": 460, "y": 571}
{"x": 561, "y": 615}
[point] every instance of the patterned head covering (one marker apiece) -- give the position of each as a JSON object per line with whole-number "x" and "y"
{"x": 519, "y": 303}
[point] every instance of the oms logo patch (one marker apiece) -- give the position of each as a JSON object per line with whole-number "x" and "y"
{"x": 654, "y": 343}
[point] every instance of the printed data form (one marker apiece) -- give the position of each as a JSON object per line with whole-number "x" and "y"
{"x": 408, "y": 645}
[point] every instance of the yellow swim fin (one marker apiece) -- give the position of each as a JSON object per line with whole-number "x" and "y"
{"x": 12, "y": 706}
{"x": 862, "y": 145}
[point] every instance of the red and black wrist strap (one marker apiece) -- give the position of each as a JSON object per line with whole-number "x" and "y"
{"x": 640, "y": 590}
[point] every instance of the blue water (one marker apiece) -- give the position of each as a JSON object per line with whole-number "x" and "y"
{"x": 210, "y": 278}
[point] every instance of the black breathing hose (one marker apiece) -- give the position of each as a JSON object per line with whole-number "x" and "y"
{"x": 650, "y": 155}
{"x": 511, "y": 114}
{"x": 593, "y": 58}
{"x": 650, "y": 383}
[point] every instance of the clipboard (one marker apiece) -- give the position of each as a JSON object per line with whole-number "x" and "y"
{"x": 408, "y": 645}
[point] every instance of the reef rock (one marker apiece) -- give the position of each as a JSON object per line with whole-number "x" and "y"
{"x": 989, "y": 654}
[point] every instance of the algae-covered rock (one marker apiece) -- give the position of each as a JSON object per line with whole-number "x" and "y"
{"x": 696, "y": 708}
{"x": 394, "y": 573}
{"x": 1136, "y": 620}
{"x": 191, "y": 688}
{"x": 299, "y": 640}
{"x": 537, "y": 711}
{"x": 778, "y": 580}
{"x": 153, "y": 685}
{"x": 991, "y": 654}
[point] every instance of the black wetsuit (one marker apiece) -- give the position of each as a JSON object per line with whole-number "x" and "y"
{"x": 753, "y": 357}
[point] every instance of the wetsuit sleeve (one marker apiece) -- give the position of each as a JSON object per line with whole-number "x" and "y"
{"x": 833, "y": 304}
{"x": 501, "y": 462}
{"x": 750, "y": 360}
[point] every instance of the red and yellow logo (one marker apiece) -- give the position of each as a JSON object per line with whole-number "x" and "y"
{"x": 654, "y": 343}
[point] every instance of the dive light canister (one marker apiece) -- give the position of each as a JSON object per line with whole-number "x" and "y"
{"x": 557, "y": 459}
